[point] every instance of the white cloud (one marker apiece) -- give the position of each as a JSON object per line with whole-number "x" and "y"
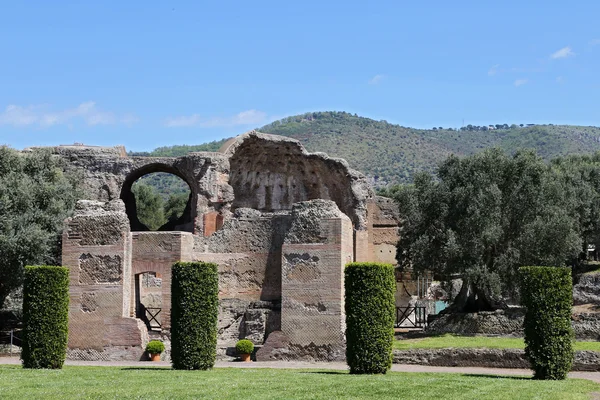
{"x": 494, "y": 70}
{"x": 88, "y": 112}
{"x": 248, "y": 117}
{"x": 177, "y": 122}
{"x": 376, "y": 79}
{"x": 563, "y": 53}
{"x": 520, "y": 82}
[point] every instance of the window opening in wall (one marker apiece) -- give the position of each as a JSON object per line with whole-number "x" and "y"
{"x": 160, "y": 200}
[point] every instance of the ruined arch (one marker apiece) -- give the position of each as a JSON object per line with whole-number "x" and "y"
{"x": 272, "y": 173}
{"x": 185, "y": 221}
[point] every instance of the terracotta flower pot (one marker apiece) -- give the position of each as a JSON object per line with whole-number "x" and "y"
{"x": 245, "y": 357}
{"x": 155, "y": 357}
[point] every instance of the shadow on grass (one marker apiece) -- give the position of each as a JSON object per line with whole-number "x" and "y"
{"x": 332, "y": 372}
{"x": 147, "y": 369}
{"x": 513, "y": 377}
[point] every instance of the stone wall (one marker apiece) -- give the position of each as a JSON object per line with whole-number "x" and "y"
{"x": 280, "y": 222}
{"x": 587, "y": 289}
{"x": 499, "y": 322}
{"x": 317, "y": 247}
{"x": 486, "y": 358}
{"x": 97, "y": 250}
{"x": 586, "y": 326}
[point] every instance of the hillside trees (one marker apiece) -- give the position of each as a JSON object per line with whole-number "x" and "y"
{"x": 149, "y": 205}
{"x": 152, "y": 210}
{"x": 486, "y": 216}
{"x": 35, "y": 198}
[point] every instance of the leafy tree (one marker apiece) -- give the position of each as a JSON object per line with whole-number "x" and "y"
{"x": 581, "y": 175}
{"x": 175, "y": 205}
{"x": 149, "y": 206}
{"x": 35, "y": 198}
{"x": 488, "y": 215}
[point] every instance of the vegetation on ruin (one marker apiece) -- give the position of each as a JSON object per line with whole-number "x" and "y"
{"x": 194, "y": 314}
{"x": 370, "y": 309}
{"x": 448, "y": 341}
{"x": 36, "y": 196}
{"x": 547, "y": 294}
{"x": 46, "y": 316}
{"x": 231, "y": 383}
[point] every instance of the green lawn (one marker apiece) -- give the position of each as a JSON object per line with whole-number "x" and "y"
{"x": 247, "y": 384}
{"x": 448, "y": 341}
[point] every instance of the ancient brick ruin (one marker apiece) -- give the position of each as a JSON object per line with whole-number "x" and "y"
{"x": 280, "y": 222}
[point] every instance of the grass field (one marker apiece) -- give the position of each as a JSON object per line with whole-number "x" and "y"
{"x": 247, "y": 384}
{"x": 448, "y": 341}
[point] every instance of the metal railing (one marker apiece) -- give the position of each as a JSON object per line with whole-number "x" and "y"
{"x": 411, "y": 317}
{"x": 10, "y": 338}
{"x": 151, "y": 314}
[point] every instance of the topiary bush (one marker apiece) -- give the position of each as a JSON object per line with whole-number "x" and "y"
{"x": 194, "y": 312}
{"x": 244, "y": 346}
{"x": 155, "y": 347}
{"x": 45, "y": 316}
{"x": 547, "y": 294}
{"x": 370, "y": 315}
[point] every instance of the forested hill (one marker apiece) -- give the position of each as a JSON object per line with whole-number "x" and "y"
{"x": 179, "y": 150}
{"x": 390, "y": 153}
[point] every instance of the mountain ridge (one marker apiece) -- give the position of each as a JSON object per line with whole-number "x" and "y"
{"x": 390, "y": 153}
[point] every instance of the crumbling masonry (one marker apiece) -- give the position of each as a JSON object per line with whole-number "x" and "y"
{"x": 280, "y": 222}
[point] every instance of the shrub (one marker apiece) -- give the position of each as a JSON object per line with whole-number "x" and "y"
{"x": 155, "y": 347}
{"x": 547, "y": 293}
{"x": 244, "y": 346}
{"x": 45, "y": 316}
{"x": 194, "y": 312}
{"x": 370, "y": 314}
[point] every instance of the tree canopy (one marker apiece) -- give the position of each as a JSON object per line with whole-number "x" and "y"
{"x": 35, "y": 198}
{"x": 152, "y": 210}
{"x": 487, "y": 215}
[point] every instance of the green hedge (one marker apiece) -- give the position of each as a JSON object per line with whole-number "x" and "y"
{"x": 370, "y": 315}
{"x": 547, "y": 293}
{"x": 194, "y": 312}
{"x": 45, "y": 316}
{"x": 244, "y": 346}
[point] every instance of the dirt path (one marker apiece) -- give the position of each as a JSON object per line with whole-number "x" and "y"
{"x": 592, "y": 376}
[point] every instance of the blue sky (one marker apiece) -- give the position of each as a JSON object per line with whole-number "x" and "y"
{"x": 148, "y": 74}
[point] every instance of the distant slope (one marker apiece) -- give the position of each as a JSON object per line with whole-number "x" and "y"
{"x": 179, "y": 150}
{"x": 392, "y": 153}
{"x": 389, "y": 153}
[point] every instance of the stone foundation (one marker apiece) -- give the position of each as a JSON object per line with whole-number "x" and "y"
{"x": 486, "y": 358}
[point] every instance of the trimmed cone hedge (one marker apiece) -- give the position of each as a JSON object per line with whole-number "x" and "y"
{"x": 547, "y": 293}
{"x": 370, "y": 314}
{"x": 45, "y": 316}
{"x": 194, "y": 312}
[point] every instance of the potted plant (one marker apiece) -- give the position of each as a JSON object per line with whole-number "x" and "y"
{"x": 244, "y": 348}
{"x": 154, "y": 348}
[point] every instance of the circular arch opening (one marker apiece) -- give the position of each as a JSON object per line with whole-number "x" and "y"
{"x": 158, "y": 198}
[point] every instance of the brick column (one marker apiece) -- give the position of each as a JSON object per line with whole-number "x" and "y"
{"x": 316, "y": 249}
